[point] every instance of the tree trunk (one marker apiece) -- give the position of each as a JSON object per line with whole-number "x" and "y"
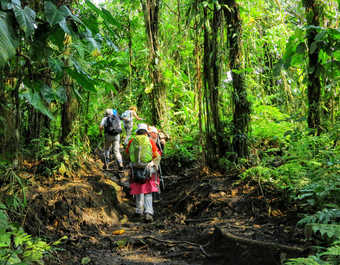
{"x": 17, "y": 123}
{"x": 214, "y": 139}
{"x": 198, "y": 91}
{"x": 130, "y": 56}
{"x": 67, "y": 112}
{"x": 158, "y": 93}
{"x": 314, "y": 85}
{"x": 86, "y": 118}
{"x": 241, "y": 115}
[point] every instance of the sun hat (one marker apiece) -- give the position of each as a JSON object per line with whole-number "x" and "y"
{"x": 153, "y": 129}
{"x": 108, "y": 112}
{"x": 142, "y": 126}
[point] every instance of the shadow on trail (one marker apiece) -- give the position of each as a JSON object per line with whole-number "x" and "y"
{"x": 201, "y": 218}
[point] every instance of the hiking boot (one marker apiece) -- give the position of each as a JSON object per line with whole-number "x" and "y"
{"x": 148, "y": 218}
{"x": 105, "y": 166}
{"x": 120, "y": 167}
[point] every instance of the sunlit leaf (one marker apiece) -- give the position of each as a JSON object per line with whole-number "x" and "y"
{"x": 107, "y": 16}
{"x": 64, "y": 26}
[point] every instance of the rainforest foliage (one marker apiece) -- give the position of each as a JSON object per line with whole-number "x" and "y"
{"x": 245, "y": 85}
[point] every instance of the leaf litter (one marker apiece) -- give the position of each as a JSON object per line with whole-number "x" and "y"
{"x": 201, "y": 218}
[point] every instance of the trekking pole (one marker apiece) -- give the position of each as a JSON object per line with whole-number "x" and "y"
{"x": 161, "y": 177}
{"x": 104, "y": 152}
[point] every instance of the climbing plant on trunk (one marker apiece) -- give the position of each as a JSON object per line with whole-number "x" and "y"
{"x": 214, "y": 134}
{"x": 241, "y": 113}
{"x": 314, "y": 85}
{"x": 158, "y": 91}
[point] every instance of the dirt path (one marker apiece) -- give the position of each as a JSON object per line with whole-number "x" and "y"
{"x": 201, "y": 218}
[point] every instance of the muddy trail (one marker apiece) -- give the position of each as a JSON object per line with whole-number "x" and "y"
{"x": 201, "y": 217}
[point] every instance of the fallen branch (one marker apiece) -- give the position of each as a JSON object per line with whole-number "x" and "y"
{"x": 263, "y": 244}
{"x": 181, "y": 242}
{"x": 201, "y": 219}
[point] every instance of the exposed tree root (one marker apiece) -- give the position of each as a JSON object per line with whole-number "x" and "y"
{"x": 261, "y": 244}
{"x": 181, "y": 242}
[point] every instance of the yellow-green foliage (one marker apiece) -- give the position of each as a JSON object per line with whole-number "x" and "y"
{"x": 269, "y": 123}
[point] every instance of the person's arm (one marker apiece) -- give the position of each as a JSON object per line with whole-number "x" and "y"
{"x": 128, "y": 147}
{"x": 134, "y": 114}
{"x": 101, "y": 126}
{"x": 156, "y": 155}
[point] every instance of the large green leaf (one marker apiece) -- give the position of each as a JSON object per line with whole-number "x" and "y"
{"x": 7, "y": 39}
{"x": 33, "y": 96}
{"x": 63, "y": 25}
{"x": 53, "y": 15}
{"x": 107, "y": 16}
{"x": 61, "y": 94}
{"x": 91, "y": 22}
{"x": 10, "y": 4}
{"x": 26, "y": 19}
{"x": 82, "y": 79}
{"x": 56, "y": 66}
{"x": 67, "y": 13}
{"x": 93, "y": 7}
{"x": 57, "y": 38}
{"x": 36, "y": 101}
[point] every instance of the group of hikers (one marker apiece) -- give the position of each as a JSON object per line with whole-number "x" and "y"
{"x": 143, "y": 153}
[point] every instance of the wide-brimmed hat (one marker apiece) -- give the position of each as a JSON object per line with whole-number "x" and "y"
{"x": 142, "y": 126}
{"x": 153, "y": 129}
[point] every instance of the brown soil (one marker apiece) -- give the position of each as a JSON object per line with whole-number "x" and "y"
{"x": 201, "y": 218}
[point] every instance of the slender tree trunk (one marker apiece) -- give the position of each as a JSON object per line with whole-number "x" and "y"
{"x": 268, "y": 70}
{"x": 2, "y": 110}
{"x": 67, "y": 112}
{"x": 206, "y": 80}
{"x": 314, "y": 85}
{"x": 158, "y": 94}
{"x": 198, "y": 92}
{"x": 17, "y": 123}
{"x": 87, "y": 113}
{"x": 214, "y": 139}
{"x": 179, "y": 16}
{"x": 241, "y": 115}
{"x": 130, "y": 56}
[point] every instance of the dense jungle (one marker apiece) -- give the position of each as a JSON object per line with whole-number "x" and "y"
{"x": 245, "y": 93}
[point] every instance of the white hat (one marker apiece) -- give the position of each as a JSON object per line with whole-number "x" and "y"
{"x": 108, "y": 112}
{"x": 142, "y": 126}
{"x": 153, "y": 129}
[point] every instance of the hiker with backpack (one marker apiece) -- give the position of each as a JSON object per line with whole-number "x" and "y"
{"x": 127, "y": 118}
{"x": 112, "y": 130}
{"x": 158, "y": 137}
{"x": 155, "y": 135}
{"x": 144, "y": 161}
